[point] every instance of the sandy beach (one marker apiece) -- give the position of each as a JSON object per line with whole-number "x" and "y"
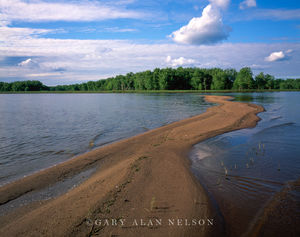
{"x": 142, "y": 186}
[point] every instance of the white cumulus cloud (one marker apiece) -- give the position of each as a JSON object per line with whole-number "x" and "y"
{"x": 207, "y": 29}
{"x": 275, "y": 56}
{"x": 25, "y": 62}
{"x": 181, "y": 61}
{"x": 66, "y": 61}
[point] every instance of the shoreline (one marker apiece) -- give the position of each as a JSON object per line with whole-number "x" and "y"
{"x": 142, "y": 177}
{"x": 152, "y": 91}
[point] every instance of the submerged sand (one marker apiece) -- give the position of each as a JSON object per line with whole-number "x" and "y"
{"x": 143, "y": 182}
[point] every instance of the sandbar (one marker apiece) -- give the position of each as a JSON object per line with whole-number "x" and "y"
{"x": 144, "y": 181}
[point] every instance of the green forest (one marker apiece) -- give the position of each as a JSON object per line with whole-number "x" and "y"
{"x": 169, "y": 79}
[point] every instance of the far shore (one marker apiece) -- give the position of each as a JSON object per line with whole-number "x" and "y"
{"x": 144, "y": 181}
{"x": 151, "y": 91}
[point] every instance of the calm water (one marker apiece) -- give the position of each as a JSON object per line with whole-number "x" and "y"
{"x": 253, "y": 175}
{"x": 40, "y": 130}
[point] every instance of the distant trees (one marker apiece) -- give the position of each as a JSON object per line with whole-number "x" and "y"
{"x": 290, "y": 84}
{"x": 222, "y": 80}
{"x": 169, "y": 79}
{"x": 244, "y": 79}
{"x": 197, "y": 79}
{"x": 23, "y": 86}
{"x": 267, "y": 81}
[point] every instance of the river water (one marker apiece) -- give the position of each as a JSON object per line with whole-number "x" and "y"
{"x": 41, "y": 130}
{"x": 253, "y": 175}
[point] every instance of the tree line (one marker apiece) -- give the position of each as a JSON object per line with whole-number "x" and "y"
{"x": 169, "y": 79}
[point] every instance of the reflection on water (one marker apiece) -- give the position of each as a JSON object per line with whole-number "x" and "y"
{"x": 253, "y": 175}
{"x": 40, "y": 130}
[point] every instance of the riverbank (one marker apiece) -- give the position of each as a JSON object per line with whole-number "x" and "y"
{"x": 143, "y": 178}
{"x": 149, "y": 91}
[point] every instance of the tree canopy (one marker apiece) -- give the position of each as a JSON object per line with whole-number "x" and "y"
{"x": 168, "y": 79}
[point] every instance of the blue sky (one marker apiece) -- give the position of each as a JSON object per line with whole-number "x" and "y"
{"x": 63, "y": 42}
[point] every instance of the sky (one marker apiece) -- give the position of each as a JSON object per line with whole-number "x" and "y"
{"x": 66, "y": 42}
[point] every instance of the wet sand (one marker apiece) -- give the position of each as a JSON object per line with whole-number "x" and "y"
{"x": 143, "y": 182}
